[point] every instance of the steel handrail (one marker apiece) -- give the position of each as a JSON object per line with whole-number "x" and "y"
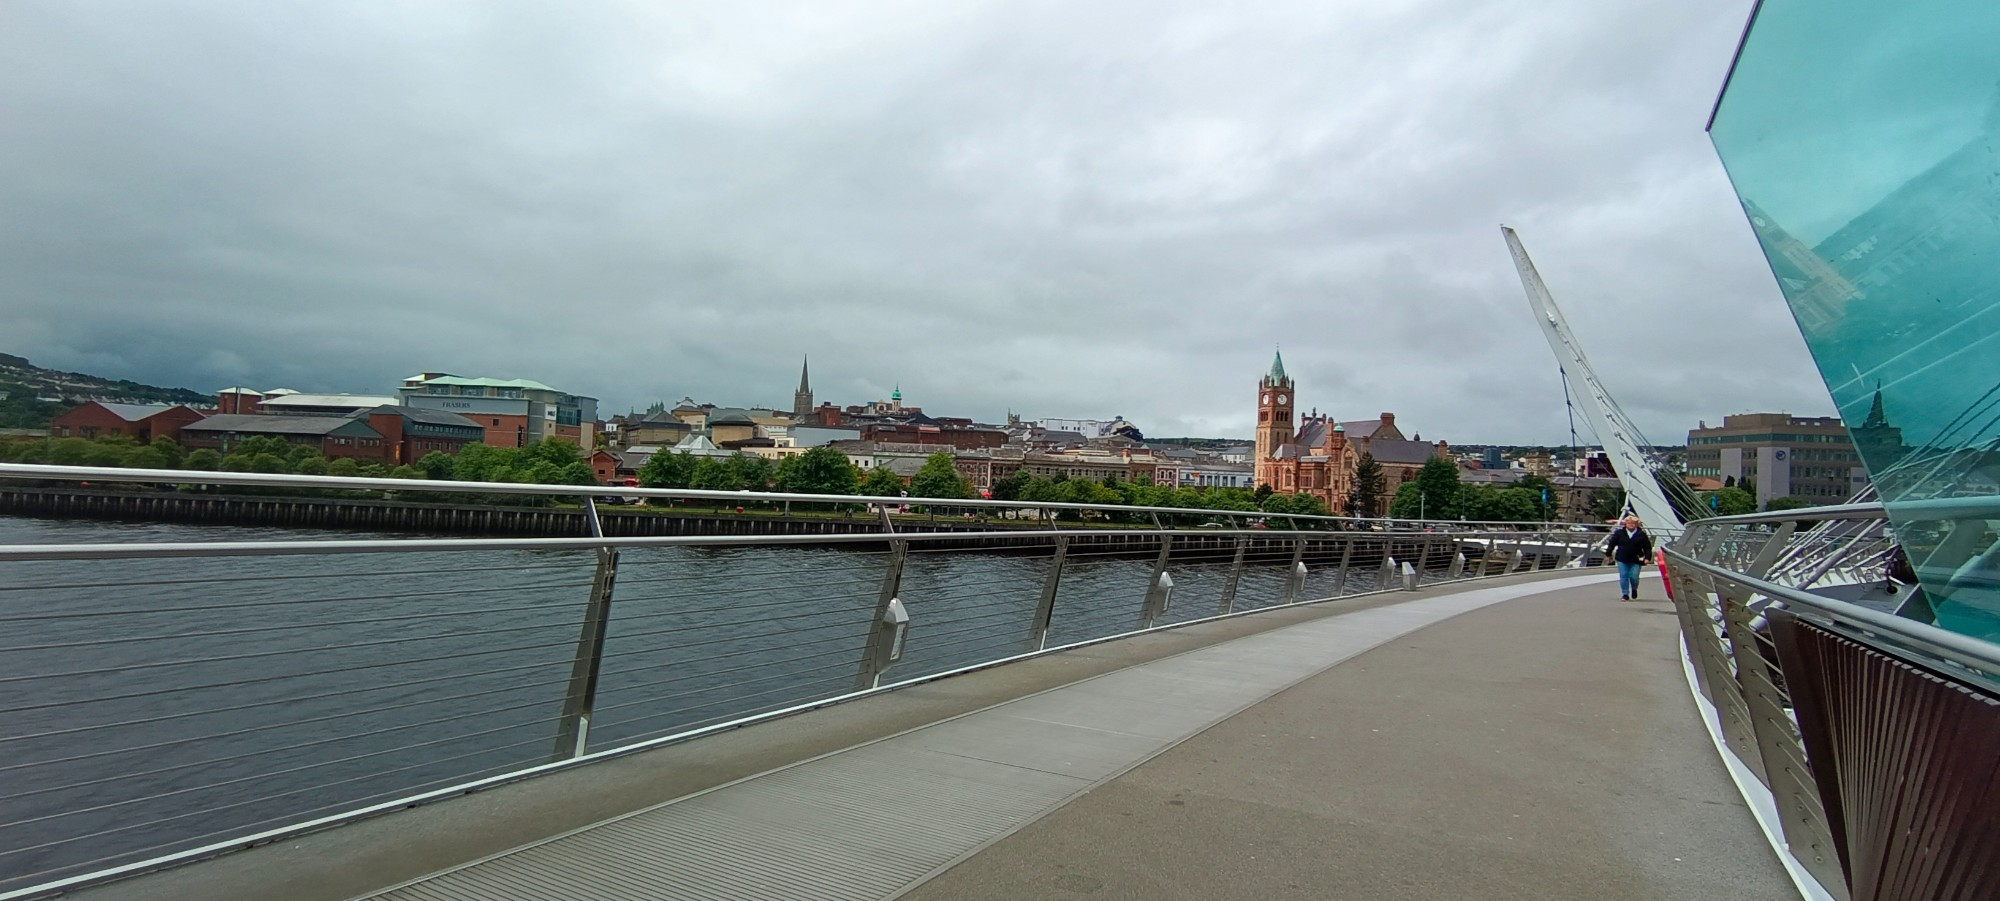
{"x": 274, "y": 480}
{"x": 140, "y": 550}
{"x": 1946, "y": 645}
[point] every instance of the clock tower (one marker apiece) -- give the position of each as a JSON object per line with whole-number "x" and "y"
{"x": 1274, "y": 417}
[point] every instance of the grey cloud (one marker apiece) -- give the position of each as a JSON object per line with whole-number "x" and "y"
{"x": 1063, "y": 210}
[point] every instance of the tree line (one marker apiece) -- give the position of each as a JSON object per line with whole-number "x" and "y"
{"x": 546, "y": 462}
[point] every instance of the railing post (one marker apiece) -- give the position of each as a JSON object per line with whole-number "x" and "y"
{"x": 892, "y": 582}
{"x": 1386, "y": 579}
{"x": 1783, "y": 756}
{"x": 1457, "y": 570}
{"x": 1148, "y": 609}
{"x": 1294, "y": 583}
{"x": 1423, "y": 557}
{"x": 1772, "y": 549}
{"x": 1235, "y": 575}
{"x": 573, "y": 728}
{"x": 1045, "y": 609}
{"x": 1346, "y": 557}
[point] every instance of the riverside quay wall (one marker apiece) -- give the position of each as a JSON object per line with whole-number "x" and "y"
{"x": 379, "y": 514}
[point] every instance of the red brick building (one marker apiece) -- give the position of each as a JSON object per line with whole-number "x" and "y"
{"x": 334, "y": 436}
{"x": 140, "y": 422}
{"x": 388, "y": 435}
{"x": 933, "y": 434}
{"x": 1319, "y": 456}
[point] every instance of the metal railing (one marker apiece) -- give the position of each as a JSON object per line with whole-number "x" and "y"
{"x": 172, "y": 697}
{"x": 1827, "y": 684}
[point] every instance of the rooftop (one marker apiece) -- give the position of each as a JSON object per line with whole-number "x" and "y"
{"x": 136, "y": 412}
{"x": 280, "y": 425}
{"x": 523, "y": 384}
{"x": 356, "y": 401}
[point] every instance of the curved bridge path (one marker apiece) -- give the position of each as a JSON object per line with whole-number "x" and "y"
{"x": 1528, "y": 737}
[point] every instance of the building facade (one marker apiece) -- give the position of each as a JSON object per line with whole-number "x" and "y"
{"x": 1319, "y": 456}
{"x": 140, "y": 422}
{"x": 1809, "y": 457}
{"x": 514, "y": 412}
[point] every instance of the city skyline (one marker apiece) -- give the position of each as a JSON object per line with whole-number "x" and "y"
{"x": 1059, "y": 212}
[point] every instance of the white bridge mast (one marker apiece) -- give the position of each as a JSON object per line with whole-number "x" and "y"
{"x": 1621, "y": 438}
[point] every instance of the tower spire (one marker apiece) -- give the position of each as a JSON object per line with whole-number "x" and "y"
{"x": 1277, "y": 364}
{"x": 802, "y": 399}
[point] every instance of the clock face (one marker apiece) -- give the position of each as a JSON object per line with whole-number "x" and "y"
{"x": 1281, "y": 398}
{"x": 1267, "y": 398}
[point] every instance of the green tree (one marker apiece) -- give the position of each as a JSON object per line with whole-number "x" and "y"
{"x": 169, "y": 450}
{"x": 666, "y": 469}
{"x": 262, "y": 444}
{"x": 1488, "y": 504}
{"x": 1788, "y": 502}
{"x": 753, "y": 472}
{"x": 145, "y": 457}
{"x": 298, "y": 454}
{"x": 1433, "y": 494}
{"x": 1009, "y": 488}
{"x": 480, "y": 462}
{"x": 1730, "y": 502}
{"x": 314, "y": 465}
{"x": 939, "y": 478}
{"x": 68, "y": 451}
{"x": 820, "y": 470}
{"x": 1264, "y": 491}
{"x": 437, "y": 466}
{"x": 1606, "y": 504}
{"x": 1544, "y": 493}
{"x": 882, "y": 482}
{"x": 714, "y": 474}
{"x": 1085, "y": 491}
{"x": 343, "y": 467}
{"x": 202, "y": 459}
{"x": 268, "y": 463}
{"x": 105, "y": 453}
{"x": 575, "y": 472}
{"x": 1039, "y": 489}
{"x": 1369, "y": 483}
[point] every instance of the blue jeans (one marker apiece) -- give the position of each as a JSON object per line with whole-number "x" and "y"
{"x": 1628, "y": 579}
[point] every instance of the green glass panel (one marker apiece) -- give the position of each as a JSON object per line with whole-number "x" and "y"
{"x": 1863, "y": 138}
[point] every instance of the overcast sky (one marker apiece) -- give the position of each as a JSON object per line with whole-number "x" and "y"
{"x": 1063, "y": 209}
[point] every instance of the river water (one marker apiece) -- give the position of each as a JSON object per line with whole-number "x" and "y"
{"x": 148, "y": 706}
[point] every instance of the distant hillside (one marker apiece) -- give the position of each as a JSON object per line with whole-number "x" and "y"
{"x": 30, "y": 396}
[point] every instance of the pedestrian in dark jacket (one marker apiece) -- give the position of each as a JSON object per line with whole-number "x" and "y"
{"x": 1631, "y": 548}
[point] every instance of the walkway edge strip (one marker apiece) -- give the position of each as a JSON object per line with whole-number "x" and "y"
{"x": 1758, "y": 798}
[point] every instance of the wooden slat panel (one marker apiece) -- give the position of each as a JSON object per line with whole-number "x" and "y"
{"x": 1905, "y": 761}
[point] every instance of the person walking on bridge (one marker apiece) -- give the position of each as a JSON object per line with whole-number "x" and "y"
{"x": 1631, "y": 548}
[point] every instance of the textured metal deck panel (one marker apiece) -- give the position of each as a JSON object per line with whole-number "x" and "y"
{"x": 876, "y": 819}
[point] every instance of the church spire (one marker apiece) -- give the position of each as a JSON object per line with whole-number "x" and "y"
{"x": 1277, "y": 365}
{"x": 1877, "y": 416}
{"x": 802, "y": 399}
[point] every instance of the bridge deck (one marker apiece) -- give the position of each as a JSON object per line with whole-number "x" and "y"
{"x": 1530, "y": 740}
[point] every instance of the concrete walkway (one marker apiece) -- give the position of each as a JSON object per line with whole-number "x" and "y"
{"x": 1545, "y": 748}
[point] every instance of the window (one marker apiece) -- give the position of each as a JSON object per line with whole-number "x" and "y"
{"x": 437, "y": 389}
{"x": 471, "y": 391}
{"x": 514, "y": 393}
